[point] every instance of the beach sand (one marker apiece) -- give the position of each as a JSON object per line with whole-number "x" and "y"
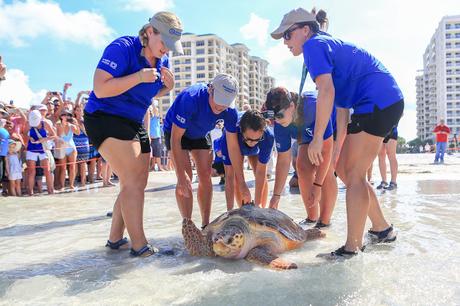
{"x": 52, "y": 250}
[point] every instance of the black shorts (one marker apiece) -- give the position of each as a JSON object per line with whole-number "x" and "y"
{"x": 100, "y": 126}
{"x": 155, "y": 145}
{"x": 378, "y": 123}
{"x": 391, "y": 135}
{"x": 190, "y": 144}
{"x": 219, "y": 167}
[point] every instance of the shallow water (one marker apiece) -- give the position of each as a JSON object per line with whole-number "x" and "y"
{"x": 52, "y": 251}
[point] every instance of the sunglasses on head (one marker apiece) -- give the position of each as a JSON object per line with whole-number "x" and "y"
{"x": 287, "y": 34}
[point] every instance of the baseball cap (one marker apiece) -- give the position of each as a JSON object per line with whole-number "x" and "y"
{"x": 297, "y": 15}
{"x": 170, "y": 35}
{"x": 35, "y": 118}
{"x": 225, "y": 89}
{"x": 41, "y": 107}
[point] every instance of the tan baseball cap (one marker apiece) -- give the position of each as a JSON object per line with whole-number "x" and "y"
{"x": 225, "y": 89}
{"x": 297, "y": 15}
{"x": 170, "y": 35}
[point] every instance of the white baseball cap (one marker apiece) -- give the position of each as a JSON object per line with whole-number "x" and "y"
{"x": 225, "y": 89}
{"x": 35, "y": 118}
{"x": 169, "y": 34}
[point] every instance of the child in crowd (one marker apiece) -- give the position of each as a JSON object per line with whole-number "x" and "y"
{"x": 14, "y": 168}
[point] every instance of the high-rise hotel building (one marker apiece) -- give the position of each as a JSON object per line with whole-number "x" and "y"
{"x": 438, "y": 83}
{"x": 207, "y": 55}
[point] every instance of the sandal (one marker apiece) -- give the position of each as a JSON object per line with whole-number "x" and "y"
{"x": 339, "y": 254}
{"x": 306, "y": 221}
{"x": 388, "y": 235}
{"x": 146, "y": 251}
{"x": 320, "y": 224}
{"x": 116, "y": 245}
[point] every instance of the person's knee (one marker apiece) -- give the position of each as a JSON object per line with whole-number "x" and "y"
{"x": 204, "y": 174}
{"x": 133, "y": 188}
{"x": 303, "y": 167}
{"x": 353, "y": 178}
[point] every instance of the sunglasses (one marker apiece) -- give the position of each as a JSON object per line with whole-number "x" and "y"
{"x": 280, "y": 114}
{"x": 253, "y": 140}
{"x": 287, "y": 34}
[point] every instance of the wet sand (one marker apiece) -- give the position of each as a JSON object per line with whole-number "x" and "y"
{"x": 52, "y": 250}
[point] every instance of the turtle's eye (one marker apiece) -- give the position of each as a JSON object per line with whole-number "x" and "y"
{"x": 230, "y": 240}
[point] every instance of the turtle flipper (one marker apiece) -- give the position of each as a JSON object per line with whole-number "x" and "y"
{"x": 314, "y": 233}
{"x": 262, "y": 256}
{"x": 195, "y": 242}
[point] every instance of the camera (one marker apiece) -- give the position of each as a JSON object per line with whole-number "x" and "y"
{"x": 268, "y": 114}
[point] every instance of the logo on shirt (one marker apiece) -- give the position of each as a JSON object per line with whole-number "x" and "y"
{"x": 180, "y": 119}
{"x": 278, "y": 145}
{"x": 109, "y": 63}
{"x": 309, "y": 132}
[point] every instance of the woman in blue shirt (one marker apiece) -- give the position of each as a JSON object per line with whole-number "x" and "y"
{"x": 132, "y": 71}
{"x": 351, "y": 78}
{"x": 256, "y": 142}
{"x": 187, "y": 124}
{"x": 297, "y": 121}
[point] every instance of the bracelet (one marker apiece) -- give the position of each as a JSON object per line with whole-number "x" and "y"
{"x": 140, "y": 76}
{"x": 316, "y": 184}
{"x": 276, "y": 195}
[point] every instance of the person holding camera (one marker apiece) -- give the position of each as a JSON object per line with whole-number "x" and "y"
{"x": 295, "y": 119}
{"x": 351, "y": 78}
{"x": 187, "y": 125}
{"x": 131, "y": 72}
{"x": 256, "y": 142}
{"x": 40, "y": 133}
{"x": 66, "y": 151}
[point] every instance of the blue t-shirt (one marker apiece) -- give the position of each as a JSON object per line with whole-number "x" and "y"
{"x": 360, "y": 80}
{"x": 283, "y": 135}
{"x": 191, "y": 111}
{"x": 216, "y": 145}
{"x": 155, "y": 131}
{"x": 4, "y": 137}
{"x": 123, "y": 57}
{"x": 263, "y": 148}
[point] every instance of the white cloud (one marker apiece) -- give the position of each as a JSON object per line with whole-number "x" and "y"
{"x": 16, "y": 87}
{"x": 22, "y": 21}
{"x": 407, "y": 125}
{"x": 256, "y": 28}
{"x": 148, "y": 5}
{"x": 285, "y": 68}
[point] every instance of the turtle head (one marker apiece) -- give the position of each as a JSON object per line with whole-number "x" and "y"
{"x": 228, "y": 242}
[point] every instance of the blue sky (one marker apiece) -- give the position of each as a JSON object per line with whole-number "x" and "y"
{"x": 47, "y": 43}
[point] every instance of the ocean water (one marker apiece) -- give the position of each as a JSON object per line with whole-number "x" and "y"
{"x": 52, "y": 251}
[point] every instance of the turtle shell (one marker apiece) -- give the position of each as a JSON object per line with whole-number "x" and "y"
{"x": 268, "y": 217}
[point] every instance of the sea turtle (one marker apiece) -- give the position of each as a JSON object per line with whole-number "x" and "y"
{"x": 256, "y": 234}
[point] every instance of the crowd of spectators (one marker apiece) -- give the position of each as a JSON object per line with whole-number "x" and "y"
{"x": 47, "y": 142}
{"x": 45, "y": 148}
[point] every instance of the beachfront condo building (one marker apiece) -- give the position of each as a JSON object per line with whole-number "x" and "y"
{"x": 207, "y": 55}
{"x": 438, "y": 83}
